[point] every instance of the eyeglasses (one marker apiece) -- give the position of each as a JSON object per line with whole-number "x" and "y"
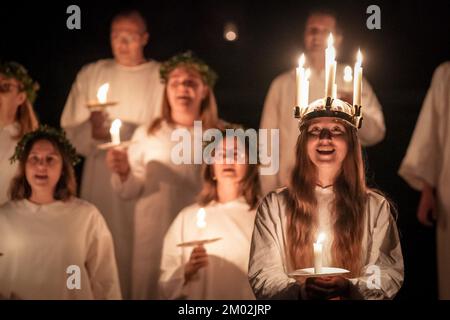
{"x": 5, "y": 87}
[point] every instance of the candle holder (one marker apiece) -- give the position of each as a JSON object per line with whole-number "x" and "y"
{"x": 198, "y": 242}
{"x": 301, "y": 274}
{"x": 100, "y": 106}
{"x": 330, "y": 107}
{"x": 111, "y": 145}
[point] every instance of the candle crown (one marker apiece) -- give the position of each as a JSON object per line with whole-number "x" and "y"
{"x": 329, "y": 107}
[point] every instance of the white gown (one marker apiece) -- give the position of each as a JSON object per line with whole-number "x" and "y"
{"x": 138, "y": 91}
{"x": 8, "y": 170}
{"x": 428, "y": 159}
{"x": 39, "y": 242}
{"x": 269, "y": 263}
{"x": 162, "y": 189}
{"x": 278, "y": 114}
{"x": 225, "y": 276}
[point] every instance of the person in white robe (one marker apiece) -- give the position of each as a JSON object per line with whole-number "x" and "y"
{"x": 152, "y": 173}
{"x": 327, "y": 195}
{"x": 280, "y": 99}
{"x": 135, "y": 85}
{"x": 52, "y": 244}
{"x": 204, "y": 271}
{"x": 17, "y": 95}
{"x": 426, "y": 168}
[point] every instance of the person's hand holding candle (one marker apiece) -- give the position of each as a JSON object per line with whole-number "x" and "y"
{"x": 197, "y": 260}
{"x": 324, "y": 288}
{"x": 117, "y": 162}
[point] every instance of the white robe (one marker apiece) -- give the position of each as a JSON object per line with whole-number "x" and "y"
{"x": 227, "y": 258}
{"x": 162, "y": 189}
{"x": 8, "y": 170}
{"x": 428, "y": 159}
{"x": 278, "y": 114}
{"x": 39, "y": 242}
{"x": 269, "y": 259}
{"x": 138, "y": 91}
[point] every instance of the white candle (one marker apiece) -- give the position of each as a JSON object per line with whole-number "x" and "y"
{"x": 115, "y": 131}
{"x": 201, "y": 222}
{"x": 318, "y": 248}
{"x": 305, "y": 89}
{"x": 348, "y": 77}
{"x": 300, "y": 75}
{"x": 357, "y": 83}
{"x": 102, "y": 93}
{"x": 330, "y": 67}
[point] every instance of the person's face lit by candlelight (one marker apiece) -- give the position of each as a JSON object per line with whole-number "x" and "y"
{"x": 234, "y": 171}
{"x": 327, "y": 143}
{"x": 317, "y": 29}
{"x": 185, "y": 93}
{"x": 43, "y": 167}
{"x": 128, "y": 39}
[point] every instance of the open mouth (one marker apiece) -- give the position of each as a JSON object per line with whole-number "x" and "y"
{"x": 41, "y": 177}
{"x": 230, "y": 170}
{"x": 325, "y": 151}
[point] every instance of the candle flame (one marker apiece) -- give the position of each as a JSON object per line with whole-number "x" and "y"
{"x": 330, "y": 40}
{"x": 301, "y": 60}
{"x": 320, "y": 238}
{"x": 348, "y": 74}
{"x": 201, "y": 214}
{"x": 102, "y": 93}
{"x": 307, "y": 74}
{"x": 115, "y": 126}
{"x": 359, "y": 57}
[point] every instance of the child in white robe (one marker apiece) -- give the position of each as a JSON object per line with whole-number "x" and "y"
{"x": 53, "y": 245}
{"x": 216, "y": 270}
{"x": 151, "y": 172}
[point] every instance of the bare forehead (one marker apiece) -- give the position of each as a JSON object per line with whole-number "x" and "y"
{"x": 184, "y": 72}
{"x": 324, "y": 21}
{"x": 43, "y": 146}
{"x": 5, "y": 79}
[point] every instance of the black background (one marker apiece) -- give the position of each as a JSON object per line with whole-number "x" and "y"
{"x": 399, "y": 61}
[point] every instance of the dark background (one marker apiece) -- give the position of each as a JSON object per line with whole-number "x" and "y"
{"x": 399, "y": 61}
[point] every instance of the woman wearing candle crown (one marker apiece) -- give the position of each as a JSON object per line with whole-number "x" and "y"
{"x": 229, "y": 198}
{"x": 17, "y": 117}
{"x": 149, "y": 173}
{"x": 327, "y": 194}
{"x": 53, "y": 245}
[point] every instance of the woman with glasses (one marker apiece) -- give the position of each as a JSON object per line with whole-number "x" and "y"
{"x": 17, "y": 117}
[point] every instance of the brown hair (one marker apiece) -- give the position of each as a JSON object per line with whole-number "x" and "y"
{"x": 131, "y": 14}
{"x": 66, "y": 186}
{"x": 208, "y": 110}
{"x": 250, "y": 185}
{"x": 348, "y": 207}
{"x": 26, "y": 118}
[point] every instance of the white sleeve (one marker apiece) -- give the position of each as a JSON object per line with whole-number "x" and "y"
{"x": 101, "y": 262}
{"x": 423, "y": 159}
{"x": 383, "y": 273}
{"x": 171, "y": 280}
{"x": 373, "y": 128}
{"x": 270, "y": 119}
{"x": 267, "y": 271}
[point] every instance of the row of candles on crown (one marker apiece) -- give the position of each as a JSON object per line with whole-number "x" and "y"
{"x": 302, "y": 77}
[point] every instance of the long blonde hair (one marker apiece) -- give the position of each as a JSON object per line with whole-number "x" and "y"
{"x": 347, "y": 210}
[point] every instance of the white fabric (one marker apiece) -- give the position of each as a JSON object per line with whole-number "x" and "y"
{"x": 428, "y": 159}
{"x": 162, "y": 189}
{"x": 7, "y": 147}
{"x": 138, "y": 91}
{"x": 39, "y": 243}
{"x": 278, "y": 114}
{"x": 270, "y": 265}
{"x": 225, "y": 276}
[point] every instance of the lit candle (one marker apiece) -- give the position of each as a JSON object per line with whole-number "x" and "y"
{"x": 115, "y": 131}
{"x": 305, "y": 89}
{"x": 348, "y": 77}
{"x": 330, "y": 67}
{"x": 300, "y": 75}
{"x": 102, "y": 93}
{"x": 201, "y": 222}
{"x": 318, "y": 246}
{"x": 357, "y": 81}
